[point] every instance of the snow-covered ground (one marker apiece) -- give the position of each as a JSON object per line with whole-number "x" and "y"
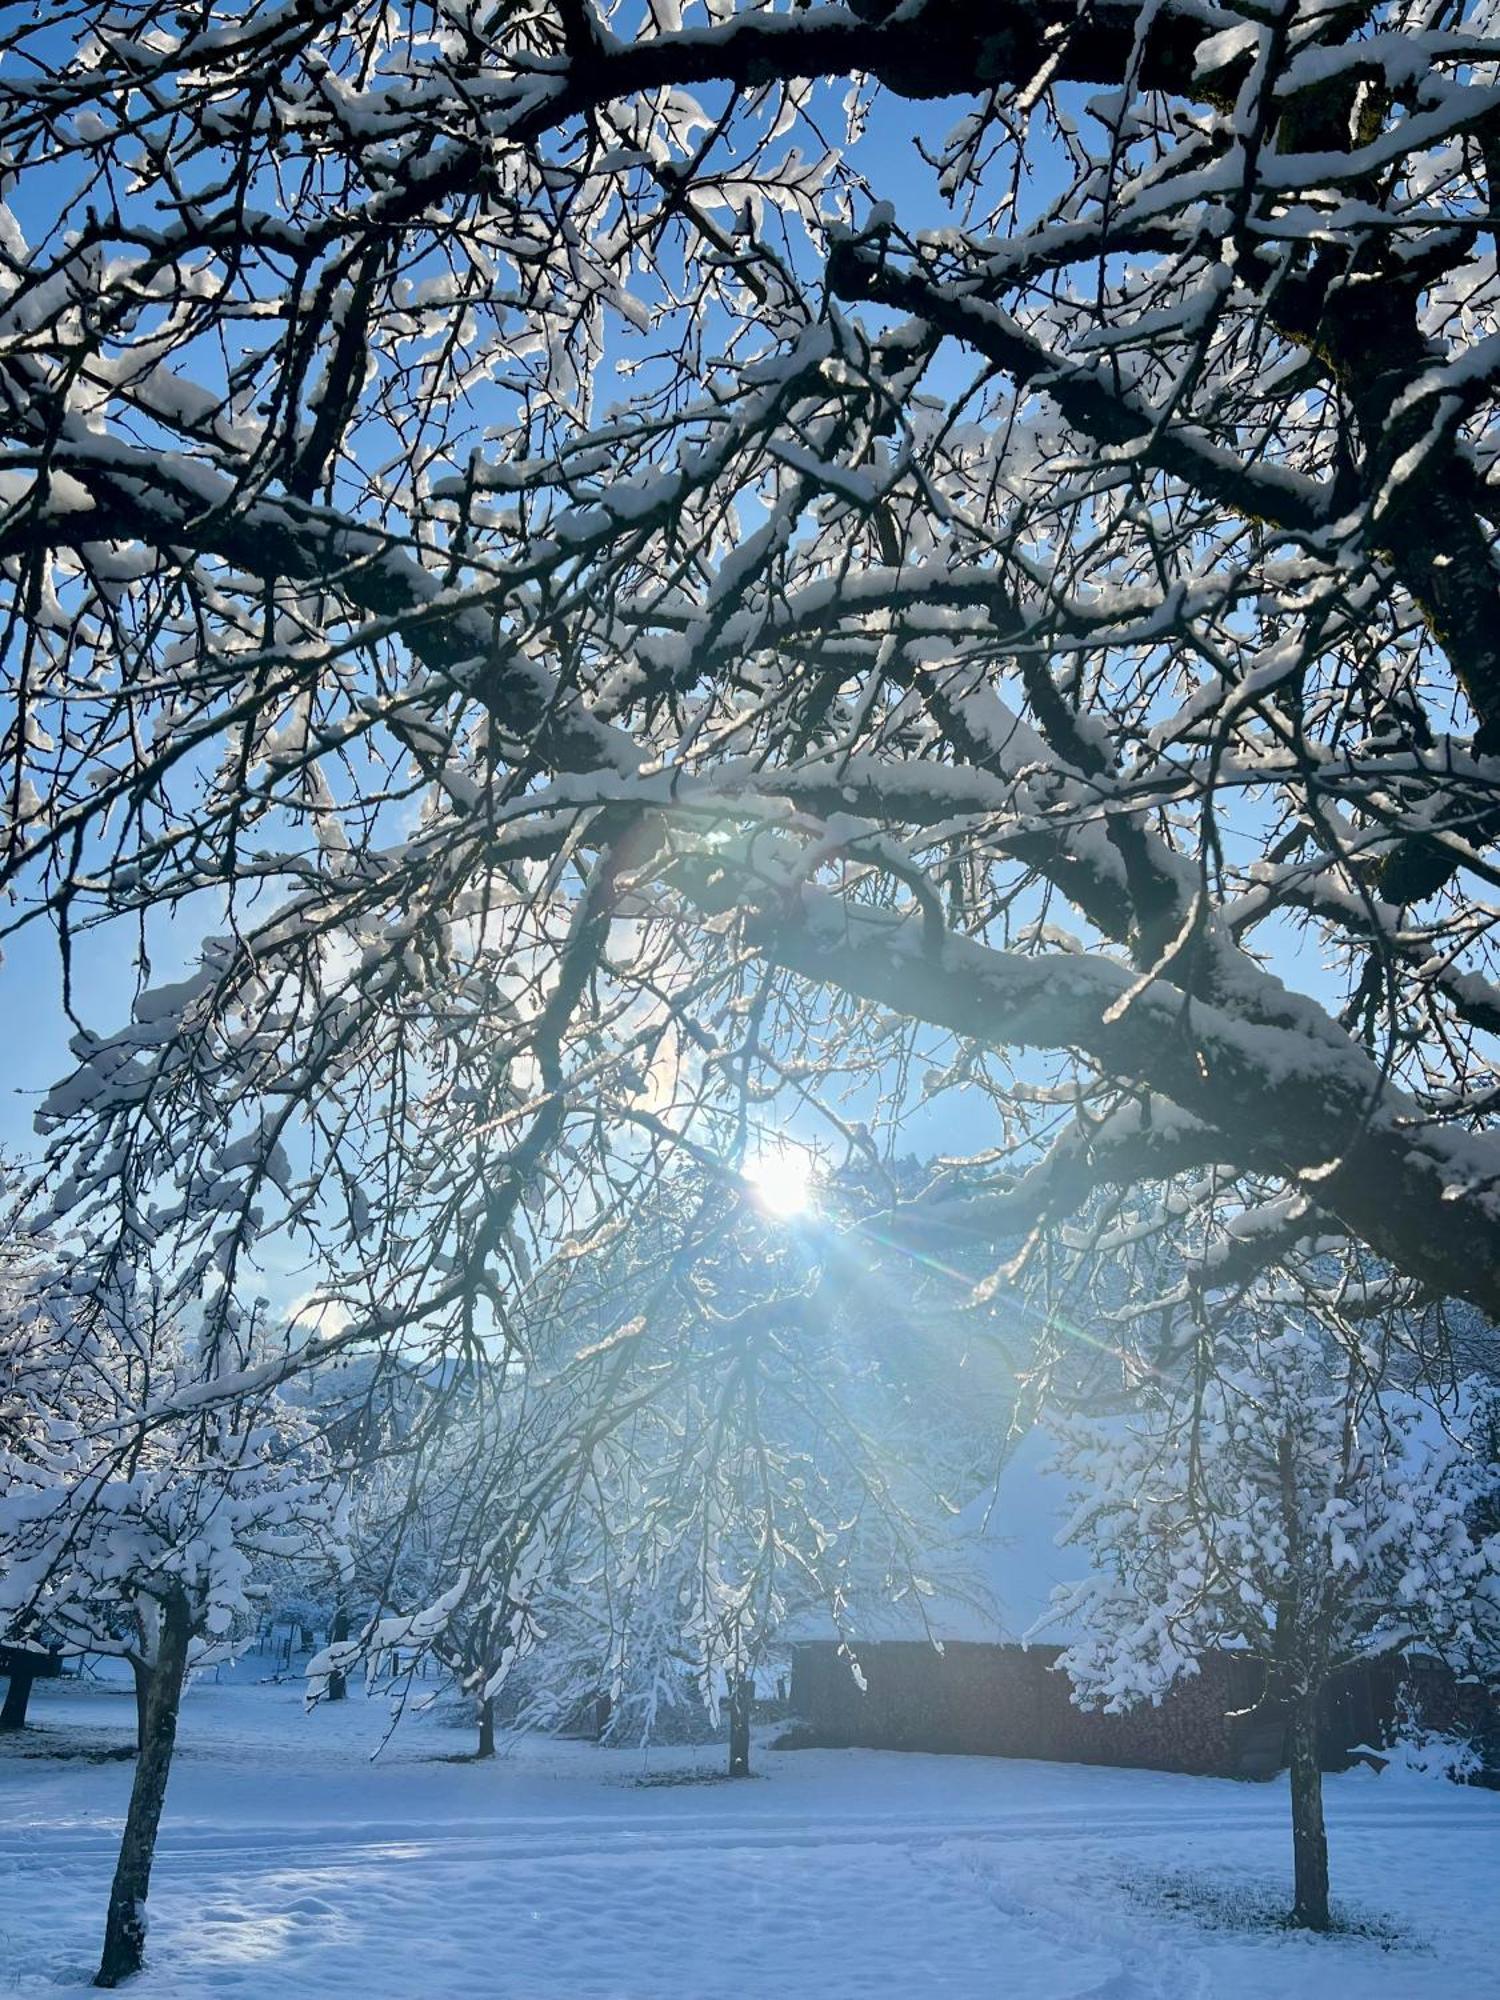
{"x": 293, "y": 1866}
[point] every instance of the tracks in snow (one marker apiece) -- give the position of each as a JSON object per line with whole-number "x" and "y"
{"x": 523, "y": 1840}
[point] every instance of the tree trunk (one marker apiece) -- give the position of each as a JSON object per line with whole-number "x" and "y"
{"x": 604, "y": 1708}
{"x": 1309, "y": 1839}
{"x": 125, "y": 1927}
{"x": 486, "y": 1727}
{"x": 142, "y": 1673}
{"x": 338, "y": 1632}
{"x": 17, "y": 1694}
{"x": 741, "y": 1697}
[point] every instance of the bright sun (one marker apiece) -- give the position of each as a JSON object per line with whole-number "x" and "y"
{"x": 780, "y": 1182}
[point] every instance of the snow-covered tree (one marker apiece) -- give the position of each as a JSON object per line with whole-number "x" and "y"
{"x": 131, "y": 1522}
{"x": 23, "y": 1257}
{"x": 636, "y": 568}
{"x": 639, "y": 583}
{"x": 449, "y": 1531}
{"x": 1285, "y": 1506}
{"x": 714, "y": 1428}
{"x": 795, "y": 1450}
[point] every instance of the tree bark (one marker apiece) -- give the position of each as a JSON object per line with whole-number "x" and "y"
{"x": 486, "y": 1727}
{"x": 142, "y": 1673}
{"x": 17, "y": 1695}
{"x": 1309, "y": 1838}
{"x": 125, "y": 1927}
{"x": 741, "y": 1698}
{"x": 338, "y": 1632}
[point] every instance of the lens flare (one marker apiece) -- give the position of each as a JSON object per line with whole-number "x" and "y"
{"x": 780, "y": 1181}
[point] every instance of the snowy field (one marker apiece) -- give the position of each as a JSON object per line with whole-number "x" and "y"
{"x": 293, "y": 1866}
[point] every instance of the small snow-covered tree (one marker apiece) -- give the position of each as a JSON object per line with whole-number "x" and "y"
{"x": 465, "y": 1482}
{"x": 446, "y": 1558}
{"x": 135, "y": 1496}
{"x": 23, "y": 1256}
{"x": 1283, "y": 1505}
{"x": 776, "y": 1462}
{"x": 708, "y": 1426}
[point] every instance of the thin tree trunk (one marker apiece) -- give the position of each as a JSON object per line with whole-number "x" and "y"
{"x": 1309, "y": 1839}
{"x": 338, "y": 1632}
{"x": 486, "y": 1727}
{"x": 1301, "y": 1646}
{"x": 125, "y": 1927}
{"x": 17, "y": 1694}
{"x": 741, "y": 1697}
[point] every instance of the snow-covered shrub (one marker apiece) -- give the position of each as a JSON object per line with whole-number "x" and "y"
{"x": 1429, "y": 1753}
{"x": 1414, "y": 1749}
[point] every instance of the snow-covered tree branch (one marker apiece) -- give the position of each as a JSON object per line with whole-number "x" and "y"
{"x": 618, "y": 603}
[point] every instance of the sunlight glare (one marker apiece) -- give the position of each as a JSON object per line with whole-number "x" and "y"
{"x": 780, "y": 1182}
